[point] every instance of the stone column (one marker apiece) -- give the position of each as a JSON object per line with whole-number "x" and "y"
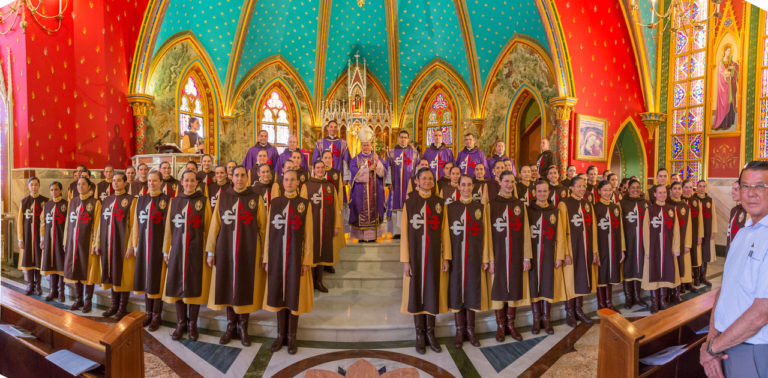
{"x": 140, "y": 105}
{"x": 562, "y": 107}
{"x": 652, "y": 120}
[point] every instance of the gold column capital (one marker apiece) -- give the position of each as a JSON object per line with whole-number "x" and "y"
{"x": 140, "y": 103}
{"x": 563, "y": 107}
{"x": 652, "y": 120}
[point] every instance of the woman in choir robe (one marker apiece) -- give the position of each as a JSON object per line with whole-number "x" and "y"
{"x": 737, "y": 219}
{"x": 104, "y": 188}
{"x": 708, "y": 232}
{"x": 546, "y": 274}
{"x": 147, "y": 236}
{"x": 557, "y": 192}
{"x": 52, "y": 226}
{"x": 684, "y": 215}
{"x": 412, "y": 183}
{"x": 138, "y": 187}
{"x": 206, "y": 175}
{"x": 592, "y": 195}
{"x": 445, "y": 180}
{"x": 468, "y": 236}
{"x": 661, "y": 239}
{"x": 264, "y": 185}
{"x": 609, "y": 236}
{"x": 218, "y": 185}
{"x": 288, "y": 257}
{"x": 28, "y": 232}
{"x": 580, "y": 275}
{"x": 616, "y": 192}
{"x": 130, "y": 176}
{"x": 693, "y": 261}
{"x": 170, "y": 186}
{"x": 113, "y": 232}
{"x": 494, "y": 182}
{"x": 326, "y": 214}
{"x": 523, "y": 187}
{"x": 289, "y": 165}
{"x": 261, "y": 159}
{"x": 81, "y": 264}
{"x": 633, "y": 208}
{"x": 511, "y": 258}
{"x": 425, "y": 259}
{"x": 234, "y": 247}
{"x": 480, "y": 188}
{"x": 450, "y": 192}
{"x": 189, "y": 277}
{"x": 333, "y": 176}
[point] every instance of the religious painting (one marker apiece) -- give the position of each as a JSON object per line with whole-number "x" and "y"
{"x": 724, "y": 82}
{"x": 590, "y": 138}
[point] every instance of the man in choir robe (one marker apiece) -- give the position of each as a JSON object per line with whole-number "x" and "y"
{"x": 104, "y": 188}
{"x": 338, "y": 147}
{"x": 524, "y": 188}
{"x": 326, "y": 214}
{"x": 234, "y": 251}
{"x": 570, "y": 173}
{"x": 170, "y": 186}
{"x": 438, "y": 154}
{"x": 511, "y": 258}
{"x": 206, "y": 175}
{"x": 72, "y": 188}
{"x": 139, "y": 186}
{"x": 738, "y": 217}
{"x": 230, "y": 167}
{"x": 81, "y": 264}
{"x": 426, "y": 260}
{"x": 28, "y": 233}
{"x": 219, "y": 184}
{"x": 262, "y": 144}
{"x": 633, "y": 207}
{"x": 498, "y": 155}
{"x": 467, "y": 234}
{"x": 304, "y": 174}
{"x": 189, "y": 278}
{"x": 662, "y": 176}
{"x": 147, "y": 237}
{"x": 709, "y": 217}
{"x": 366, "y": 208}
{"x": 580, "y": 244}
{"x": 293, "y": 146}
{"x": 470, "y": 156}
{"x": 288, "y": 257}
{"x": 546, "y": 158}
{"x": 592, "y": 195}
{"x": 114, "y": 236}
{"x": 609, "y": 238}
{"x": 696, "y": 223}
{"x": 661, "y": 239}
{"x": 52, "y": 226}
{"x": 401, "y": 164}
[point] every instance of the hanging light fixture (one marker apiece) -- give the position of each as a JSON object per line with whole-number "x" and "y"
{"x": 674, "y": 17}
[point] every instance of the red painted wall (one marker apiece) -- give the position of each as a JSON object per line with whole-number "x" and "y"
{"x": 606, "y": 78}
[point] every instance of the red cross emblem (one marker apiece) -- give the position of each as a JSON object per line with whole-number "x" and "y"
{"x": 668, "y": 222}
{"x": 327, "y": 197}
{"x": 587, "y": 217}
{"x": 694, "y": 212}
{"x": 118, "y": 214}
{"x": 194, "y": 220}
{"x": 84, "y": 218}
{"x": 156, "y": 216}
{"x": 546, "y": 230}
{"x": 243, "y": 215}
{"x": 59, "y": 217}
{"x": 707, "y": 212}
{"x": 430, "y": 219}
{"x": 473, "y": 228}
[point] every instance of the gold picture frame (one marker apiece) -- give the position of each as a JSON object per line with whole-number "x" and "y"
{"x": 590, "y": 138}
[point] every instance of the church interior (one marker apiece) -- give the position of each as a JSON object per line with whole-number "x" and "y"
{"x": 634, "y": 87}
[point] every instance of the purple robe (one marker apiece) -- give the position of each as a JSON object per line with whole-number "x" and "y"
{"x": 285, "y": 156}
{"x": 467, "y": 160}
{"x": 362, "y": 213}
{"x": 492, "y": 160}
{"x": 253, "y": 152}
{"x": 437, "y": 157}
{"x": 401, "y": 163}
{"x": 339, "y": 151}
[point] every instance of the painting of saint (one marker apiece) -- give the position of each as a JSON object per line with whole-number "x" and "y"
{"x": 590, "y": 138}
{"x": 726, "y": 90}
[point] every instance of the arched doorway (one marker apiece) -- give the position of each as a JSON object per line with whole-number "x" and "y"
{"x": 524, "y": 127}
{"x": 627, "y": 156}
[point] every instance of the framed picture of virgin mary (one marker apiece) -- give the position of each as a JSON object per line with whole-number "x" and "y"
{"x": 590, "y": 138}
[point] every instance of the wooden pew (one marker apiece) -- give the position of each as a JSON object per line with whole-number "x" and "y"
{"x": 119, "y": 348}
{"x": 623, "y": 343}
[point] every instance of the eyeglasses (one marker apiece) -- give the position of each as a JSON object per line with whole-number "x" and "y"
{"x": 759, "y": 188}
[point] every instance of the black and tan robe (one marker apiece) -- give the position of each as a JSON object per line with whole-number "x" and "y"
{"x": 53, "y": 224}
{"x": 661, "y": 239}
{"x": 610, "y": 241}
{"x": 736, "y": 222}
{"x": 525, "y": 193}
{"x": 697, "y": 226}
{"x": 547, "y": 244}
{"x": 114, "y": 230}
{"x": 580, "y": 243}
{"x": 104, "y": 189}
{"x": 709, "y": 217}
{"x": 204, "y": 179}
{"x": 213, "y": 192}
{"x": 28, "y": 231}
{"x": 80, "y": 237}
{"x": 467, "y": 234}
{"x": 170, "y": 187}
{"x": 592, "y": 195}
{"x": 510, "y": 236}
{"x": 633, "y": 212}
{"x": 557, "y": 193}
{"x": 685, "y": 222}
{"x": 147, "y": 237}
{"x": 138, "y": 188}
{"x": 326, "y": 214}
{"x": 449, "y": 193}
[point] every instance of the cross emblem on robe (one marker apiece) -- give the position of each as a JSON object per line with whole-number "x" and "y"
{"x": 459, "y": 226}
{"x": 577, "y": 220}
{"x": 466, "y": 164}
{"x": 80, "y": 217}
{"x": 154, "y": 216}
{"x": 50, "y": 217}
{"x": 287, "y": 219}
{"x": 633, "y": 215}
{"x": 657, "y": 221}
{"x": 542, "y": 230}
{"x": 29, "y": 213}
{"x": 242, "y": 215}
{"x": 437, "y": 164}
{"x": 607, "y": 221}
{"x": 403, "y": 159}
{"x": 429, "y": 220}
{"x": 505, "y": 221}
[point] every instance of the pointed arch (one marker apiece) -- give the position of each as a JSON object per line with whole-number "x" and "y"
{"x": 142, "y": 56}
{"x": 444, "y": 70}
{"x": 437, "y": 109}
{"x": 194, "y": 75}
{"x": 525, "y": 94}
{"x": 553, "y": 28}
{"x": 629, "y": 126}
{"x": 276, "y": 111}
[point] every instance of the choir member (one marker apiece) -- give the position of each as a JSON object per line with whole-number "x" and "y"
{"x": 28, "y": 233}
{"x": 480, "y": 187}
{"x": 113, "y": 231}
{"x": 52, "y": 225}
{"x": 289, "y": 165}
{"x": 139, "y": 186}
{"x": 535, "y": 176}
{"x": 447, "y": 171}
{"x": 557, "y": 192}
{"x": 738, "y": 216}
{"x": 293, "y": 146}
{"x": 191, "y": 142}
{"x": 613, "y": 179}
{"x": 511, "y": 259}
{"x": 264, "y": 185}
{"x": 498, "y": 155}
{"x": 633, "y": 208}
{"x": 708, "y": 232}
{"x": 170, "y": 185}
{"x": 189, "y": 166}
{"x": 524, "y": 188}
{"x": 149, "y": 217}
{"x": 570, "y": 173}
{"x": 261, "y": 145}
{"x": 661, "y": 240}
{"x": 494, "y": 182}
{"x": 592, "y": 195}
{"x": 401, "y": 165}
{"x": 696, "y": 228}
{"x": 470, "y": 156}
{"x": 509, "y": 165}
{"x": 662, "y": 176}
{"x": 334, "y": 177}
{"x": 609, "y": 238}
{"x": 467, "y": 236}
{"x": 450, "y": 192}
{"x": 288, "y": 257}
{"x": 326, "y": 214}
{"x": 685, "y": 218}
{"x": 188, "y": 275}
{"x": 546, "y": 275}
{"x": 296, "y": 158}
{"x": 206, "y": 175}
{"x": 72, "y": 188}
{"x": 230, "y": 167}
{"x": 130, "y": 176}
{"x": 81, "y": 264}
{"x": 234, "y": 250}
{"x": 366, "y": 208}
{"x": 624, "y": 187}
{"x": 580, "y": 244}
{"x": 675, "y": 177}
{"x": 546, "y": 158}
{"x": 104, "y": 188}
{"x": 425, "y": 260}
{"x": 218, "y": 185}
{"x": 338, "y": 149}
{"x": 438, "y": 154}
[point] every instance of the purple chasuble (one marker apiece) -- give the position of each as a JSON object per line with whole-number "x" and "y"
{"x": 366, "y": 208}
{"x": 253, "y": 152}
{"x": 401, "y": 162}
{"x": 467, "y": 160}
{"x": 437, "y": 157}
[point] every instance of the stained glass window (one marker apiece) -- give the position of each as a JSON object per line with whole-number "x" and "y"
{"x": 690, "y": 56}
{"x": 762, "y": 126}
{"x": 440, "y": 117}
{"x": 275, "y": 120}
{"x": 191, "y": 105}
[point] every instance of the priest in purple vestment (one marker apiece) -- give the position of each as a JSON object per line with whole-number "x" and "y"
{"x": 338, "y": 148}
{"x": 401, "y": 163}
{"x": 250, "y": 158}
{"x": 366, "y": 206}
{"x": 438, "y": 154}
{"x": 470, "y": 156}
{"x": 498, "y": 154}
{"x": 293, "y": 145}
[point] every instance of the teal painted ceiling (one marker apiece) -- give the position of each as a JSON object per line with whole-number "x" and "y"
{"x": 427, "y": 29}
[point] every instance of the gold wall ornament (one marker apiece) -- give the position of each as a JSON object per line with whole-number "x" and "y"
{"x": 652, "y": 120}
{"x": 360, "y": 3}
{"x": 562, "y": 107}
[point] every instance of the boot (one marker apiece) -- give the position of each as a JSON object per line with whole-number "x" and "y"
{"x": 696, "y": 275}
{"x": 609, "y": 298}
{"x": 500, "y": 323}
{"x": 62, "y": 285}
{"x": 329, "y": 269}
{"x": 461, "y": 325}
{"x": 471, "y": 328}
{"x": 600, "y": 298}
{"x": 54, "y": 288}
{"x": 419, "y": 322}
{"x": 148, "y": 302}
{"x": 638, "y": 293}
{"x": 78, "y": 297}
{"x": 536, "y": 309}
{"x": 702, "y": 275}
{"x": 39, "y": 282}
{"x": 689, "y": 287}
{"x": 121, "y": 308}
{"x": 433, "y": 344}
{"x": 242, "y": 329}
{"x": 282, "y": 329}
{"x": 580, "y": 313}
{"x": 547, "y": 307}
{"x": 30, "y": 283}
{"x": 157, "y": 312}
{"x": 628, "y": 297}
{"x": 194, "y": 310}
{"x": 511, "y": 314}
{"x": 663, "y": 303}
{"x": 181, "y": 320}
{"x": 88, "y": 298}
{"x": 570, "y": 312}
{"x": 293, "y": 325}
{"x": 655, "y": 301}
{"x": 229, "y": 333}
{"x": 318, "y": 275}
{"x": 113, "y": 306}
